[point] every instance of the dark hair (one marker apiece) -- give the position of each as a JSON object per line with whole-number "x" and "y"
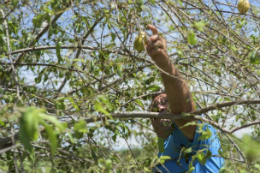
{"x": 154, "y": 95}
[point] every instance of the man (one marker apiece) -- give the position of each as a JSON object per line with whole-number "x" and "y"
{"x": 187, "y": 148}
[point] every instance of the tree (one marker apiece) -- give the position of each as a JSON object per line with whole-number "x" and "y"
{"x": 72, "y": 86}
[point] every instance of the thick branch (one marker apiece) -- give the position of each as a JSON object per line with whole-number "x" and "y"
{"x": 226, "y": 104}
{"x": 155, "y": 115}
{"x": 191, "y": 116}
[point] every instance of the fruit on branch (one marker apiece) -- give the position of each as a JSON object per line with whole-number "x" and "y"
{"x": 140, "y": 41}
{"x": 243, "y": 6}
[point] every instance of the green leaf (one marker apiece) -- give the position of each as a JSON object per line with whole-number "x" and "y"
{"x": 29, "y": 122}
{"x": 75, "y": 106}
{"x": 165, "y": 157}
{"x": 249, "y": 146}
{"x": 14, "y": 3}
{"x": 204, "y": 134}
{"x": 188, "y": 124}
{"x": 50, "y": 32}
{"x": 58, "y": 45}
{"x": 94, "y": 156}
{"x": 29, "y": 127}
{"x": 98, "y": 107}
{"x": 180, "y": 53}
{"x": 254, "y": 57}
{"x": 257, "y": 167}
{"x": 60, "y": 105}
{"x": 140, "y": 103}
{"x": 154, "y": 87}
{"x": 92, "y": 65}
{"x": 113, "y": 36}
{"x": 80, "y": 128}
{"x": 39, "y": 18}
{"x": 187, "y": 151}
{"x": 223, "y": 170}
{"x": 25, "y": 139}
{"x": 221, "y": 152}
{"x": 139, "y": 2}
{"x": 61, "y": 126}
{"x": 119, "y": 72}
{"x": 209, "y": 154}
{"x": 192, "y": 40}
{"x": 199, "y": 25}
{"x": 51, "y": 136}
{"x": 108, "y": 164}
{"x": 38, "y": 79}
{"x": 46, "y": 9}
{"x": 161, "y": 145}
{"x": 2, "y": 123}
{"x": 202, "y": 158}
{"x": 191, "y": 168}
{"x": 72, "y": 140}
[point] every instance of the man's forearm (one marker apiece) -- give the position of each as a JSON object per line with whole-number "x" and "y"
{"x": 164, "y": 131}
{"x": 175, "y": 86}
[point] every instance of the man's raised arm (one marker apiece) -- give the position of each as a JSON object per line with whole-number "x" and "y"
{"x": 176, "y": 87}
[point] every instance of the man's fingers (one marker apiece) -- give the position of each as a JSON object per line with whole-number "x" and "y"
{"x": 154, "y": 46}
{"x": 154, "y": 38}
{"x": 154, "y": 30}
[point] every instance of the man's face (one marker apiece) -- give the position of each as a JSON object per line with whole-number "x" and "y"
{"x": 160, "y": 104}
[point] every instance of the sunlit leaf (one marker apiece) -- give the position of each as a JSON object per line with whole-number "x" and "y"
{"x": 192, "y": 40}
{"x": 58, "y": 45}
{"x": 199, "y": 25}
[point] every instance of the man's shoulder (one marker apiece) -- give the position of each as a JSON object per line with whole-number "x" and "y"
{"x": 204, "y": 132}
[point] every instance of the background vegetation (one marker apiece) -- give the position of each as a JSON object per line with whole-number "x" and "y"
{"x": 66, "y": 63}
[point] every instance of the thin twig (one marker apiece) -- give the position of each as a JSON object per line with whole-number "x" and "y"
{"x": 10, "y": 57}
{"x": 236, "y": 146}
{"x": 9, "y": 148}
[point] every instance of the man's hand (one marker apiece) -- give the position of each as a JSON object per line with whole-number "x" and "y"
{"x": 156, "y": 45}
{"x": 160, "y": 129}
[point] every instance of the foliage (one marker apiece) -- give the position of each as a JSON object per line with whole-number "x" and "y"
{"x": 65, "y": 61}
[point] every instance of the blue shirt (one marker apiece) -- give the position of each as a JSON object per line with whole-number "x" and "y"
{"x": 176, "y": 142}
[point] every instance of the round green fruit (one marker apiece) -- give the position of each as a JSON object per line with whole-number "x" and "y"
{"x": 140, "y": 42}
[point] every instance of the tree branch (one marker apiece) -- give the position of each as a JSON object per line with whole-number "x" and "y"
{"x": 226, "y": 104}
{"x": 244, "y": 126}
{"x": 10, "y": 57}
{"x": 51, "y": 47}
{"x": 80, "y": 43}
{"x": 155, "y": 115}
{"x": 191, "y": 116}
{"x": 38, "y": 36}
